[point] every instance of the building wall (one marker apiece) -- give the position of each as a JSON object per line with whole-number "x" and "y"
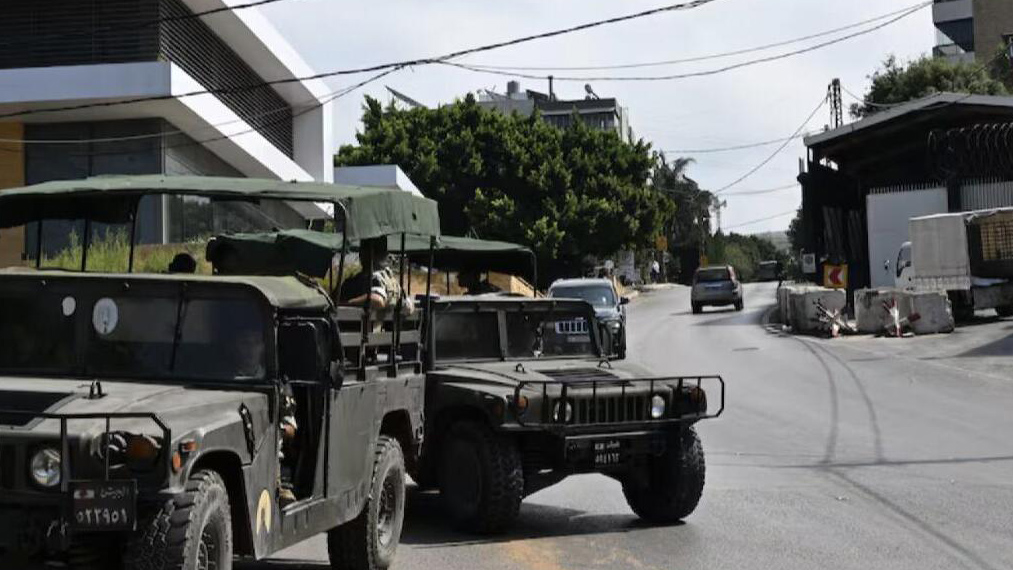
{"x": 12, "y": 175}
{"x": 993, "y": 20}
{"x": 173, "y": 154}
{"x": 51, "y": 33}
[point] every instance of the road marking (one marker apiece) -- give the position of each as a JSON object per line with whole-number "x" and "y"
{"x": 534, "y": 554}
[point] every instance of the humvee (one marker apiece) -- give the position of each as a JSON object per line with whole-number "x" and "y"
{"x": 520, "y": 394}
{"x": 140, "y": 413}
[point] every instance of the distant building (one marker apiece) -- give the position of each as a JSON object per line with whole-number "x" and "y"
{"x": 381, "y": 175}
{"x": 971, "y": 30}
{"x": 598, "y": 113}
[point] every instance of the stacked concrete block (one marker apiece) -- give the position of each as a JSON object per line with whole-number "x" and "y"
{"x": 873, "y": 317}
{"x": 935, "y": 310}
{"x": 797, "y": 305}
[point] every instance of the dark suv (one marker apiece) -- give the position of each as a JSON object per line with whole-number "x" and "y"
{"x": 609, "y": 308}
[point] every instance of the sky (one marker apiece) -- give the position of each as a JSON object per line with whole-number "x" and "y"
{"x": 743, "y": 106}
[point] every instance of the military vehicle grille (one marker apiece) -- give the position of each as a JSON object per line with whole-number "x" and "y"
{"x": 591, "y": 391}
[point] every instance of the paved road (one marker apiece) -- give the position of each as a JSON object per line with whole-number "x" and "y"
{"x": 832, "y": 454}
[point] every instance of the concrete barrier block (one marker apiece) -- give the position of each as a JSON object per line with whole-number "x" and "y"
{"x": 871, "y": 317}
{"x": 935, "y": 311}
{"x": 801, "y": 301}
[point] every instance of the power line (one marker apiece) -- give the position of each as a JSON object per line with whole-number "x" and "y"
{"x": 758, "y": 220}
{"x": 776, "y": 152}
{"x": 736, "y": 147}
{"x": 380, "y": 67}
{"x": 148, "y": 24}
{"x": 765, "y": 191}
{"x": 870, "y": 103}
{"x": 703, "y": 57}
{"x": 704, "y": 73}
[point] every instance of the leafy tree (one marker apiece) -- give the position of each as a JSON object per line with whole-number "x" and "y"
{"x": 567, "y": 193}
{"x": 744, "y": 253}
{"x": 690, "y": 227}
{"x": 899, "y": 83}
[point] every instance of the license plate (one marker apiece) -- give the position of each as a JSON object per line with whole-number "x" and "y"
{"x": 103, "y": 505}
{"x": 579, "y": 339}
{"x": 608, "y": 452}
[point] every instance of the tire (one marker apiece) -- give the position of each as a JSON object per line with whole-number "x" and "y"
{"x": 738, "y": 305}
{"x": 697, "y": 309}
{"x": 671, "y": 487}
{"x": 481, "y": 478}
{"x": 1005, "y": 311}
{"x": 370, "y": 541}
{"x": 191, "y": 531}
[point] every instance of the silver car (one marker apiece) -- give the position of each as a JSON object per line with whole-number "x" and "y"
{"x": 715, "y": 286}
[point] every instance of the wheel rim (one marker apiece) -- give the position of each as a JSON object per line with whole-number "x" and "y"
{"x": 387, "y": 509}
{"x": 465, "y": 476}
{"x": 209, "y": 549}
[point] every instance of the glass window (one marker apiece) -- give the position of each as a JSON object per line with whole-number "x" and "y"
{"x": 548, "y": 334}
{"x": 713, "y": 274}
{"x": 598, "y": 295}
{"x": 466, "y": 335}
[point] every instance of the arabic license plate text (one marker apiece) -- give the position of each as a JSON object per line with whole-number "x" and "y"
{"x": 103, "y": 505}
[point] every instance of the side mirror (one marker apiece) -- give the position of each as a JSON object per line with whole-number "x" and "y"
{"x": 304, "y": 351}
{"x": 624, "y": 300}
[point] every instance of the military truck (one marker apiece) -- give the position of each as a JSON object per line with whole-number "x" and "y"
{"x": 521, "y": 394}
{"x": 141, "y": 414}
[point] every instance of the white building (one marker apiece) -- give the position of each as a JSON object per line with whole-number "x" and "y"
{"x": 72, "y": 53}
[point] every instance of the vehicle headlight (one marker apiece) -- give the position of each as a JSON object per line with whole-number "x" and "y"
{"x": 45, "y": 467}
{"x": 562, "y": 411}
{"x": 657, "y": 407}
{"x": 614, "y": 326}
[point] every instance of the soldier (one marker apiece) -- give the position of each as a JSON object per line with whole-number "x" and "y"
{"x": 381, "y": 286}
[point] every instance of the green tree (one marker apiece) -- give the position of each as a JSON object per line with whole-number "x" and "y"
{"x": 898, "y": 83}
{"x": 689, "y": 230}
{"x": 568, "y": 193}
{"x": 744, "y": 253}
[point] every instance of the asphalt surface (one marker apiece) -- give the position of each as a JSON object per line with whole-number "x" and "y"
{"x": 851, "y": 453}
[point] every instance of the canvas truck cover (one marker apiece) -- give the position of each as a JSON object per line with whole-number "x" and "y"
{"x": 371, "y": 212}
{"x": 939, "y": 252}
{"x": 310, "y": 252}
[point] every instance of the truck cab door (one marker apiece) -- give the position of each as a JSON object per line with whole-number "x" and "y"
{"x": 905, "y": 271}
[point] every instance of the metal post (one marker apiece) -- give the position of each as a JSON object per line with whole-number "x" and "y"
{"x": 38, "y": 242}
{"x": 133, "y": 234}
{"x": 395, "y": 346}
{"x": 84, "y": 244}
{"x": 427, "y": 325}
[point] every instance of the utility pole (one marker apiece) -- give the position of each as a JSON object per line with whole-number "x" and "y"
{"x": 836, "y": 104}
{"x": 718, "y": 205}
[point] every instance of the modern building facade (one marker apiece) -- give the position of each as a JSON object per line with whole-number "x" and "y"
{"x": 971, "y": 30}
{"x": 598, "y": 113}
{"x": 67, "y": 67}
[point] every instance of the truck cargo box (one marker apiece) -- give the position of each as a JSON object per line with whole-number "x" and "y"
{"x": 947, "y": 250}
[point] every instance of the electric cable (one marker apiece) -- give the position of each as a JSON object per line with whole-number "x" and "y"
{"x": 735, "y": 147}
{"x": 704, "y": 57}
{"x": 704, "y": 73}
{"x": 148, "y": 24}
{"x": 776, "y": 152}
{"x": 759, "y": 220}
{"x": 379, "y": 67}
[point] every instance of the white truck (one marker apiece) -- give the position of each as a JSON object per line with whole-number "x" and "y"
{"x": 967, "y": 254}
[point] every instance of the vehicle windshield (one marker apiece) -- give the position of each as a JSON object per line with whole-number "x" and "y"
{"x": 600, "y": 296}
{"x": 713, "y": 275}
{"x": 131, "y": 335}
{"x": 475, "y": 335}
